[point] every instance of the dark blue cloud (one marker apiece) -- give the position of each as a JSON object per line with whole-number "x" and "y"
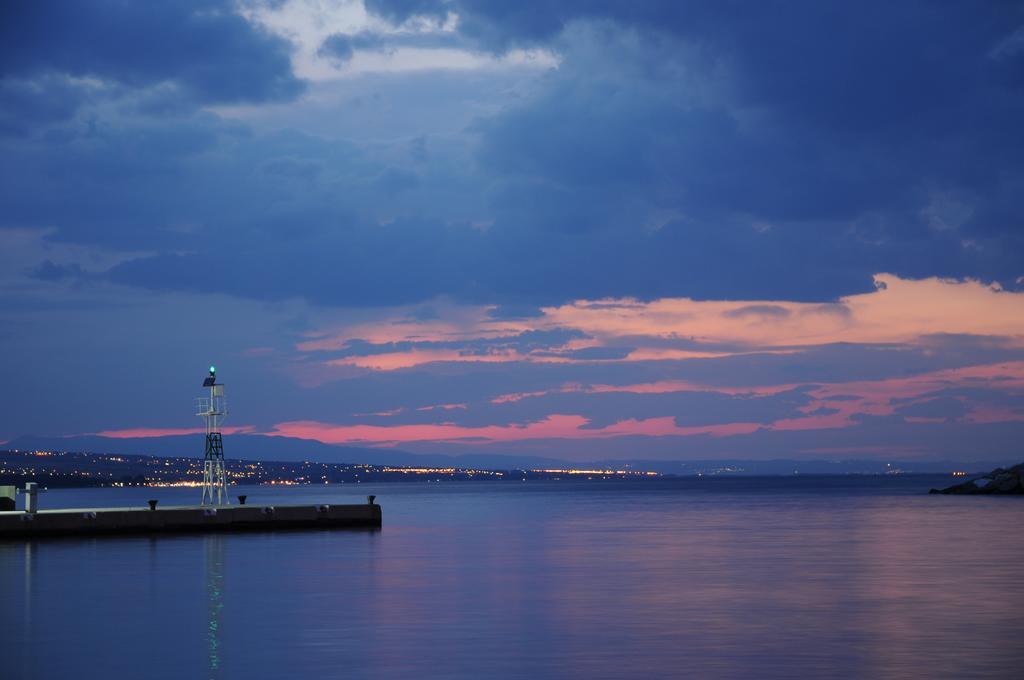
{"x": 777, "y": 194}
{"x": 700, "y": 149}
{"x": 842, "y": 135}
{"x": 340, "y": 47}
{"x": 712, "y": 149}
{"x": 954, "y": 403}
{"x": 48, "y": 270}
{"x": 211, "y": 53}
{"x": 944, "y": 408}
{"x": 337, "y": 46}
{"x": 525, "y": 342}
{"x": 44, "y": 100}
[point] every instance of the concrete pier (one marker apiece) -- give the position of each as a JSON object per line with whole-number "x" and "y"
{"x": 118, "y": 521}
{"x": 8, "y": 496}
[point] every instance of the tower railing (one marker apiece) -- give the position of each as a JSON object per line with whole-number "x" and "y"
{"x": 213, "y": 409}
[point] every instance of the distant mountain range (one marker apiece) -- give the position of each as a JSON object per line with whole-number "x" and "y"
{"x": 287, "y": 449}
{"x": 262, "y": 447}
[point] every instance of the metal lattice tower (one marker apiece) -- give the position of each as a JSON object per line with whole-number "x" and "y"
{"x": 213, "y": 410}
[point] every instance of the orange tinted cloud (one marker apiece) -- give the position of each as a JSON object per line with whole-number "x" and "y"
{"x": 457, "y": 322}
{"x": 869, "y": 397}
{"x": 897, "y": 311}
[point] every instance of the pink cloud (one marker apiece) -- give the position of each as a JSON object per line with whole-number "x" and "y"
{"x": 554, "y": 426}
{"x": 557, "y": 426}
{"x": 519, "y": 396}
{"x": 870, "y": 397}
{"x": 992, "y": 414}
{"x": 394, "y": 360}
{"x": 666, "y": 427}
{"x": 897, "y": 311}
{"x": 875, "y": 397}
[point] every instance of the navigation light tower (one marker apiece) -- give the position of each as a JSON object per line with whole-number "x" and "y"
{"x": 213, "y": 410}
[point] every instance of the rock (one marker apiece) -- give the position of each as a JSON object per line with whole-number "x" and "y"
{"x": 999, "y": 481}
{"x": 1006, "y": 483}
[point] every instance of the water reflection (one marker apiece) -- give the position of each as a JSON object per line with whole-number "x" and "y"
{"x": 552, "y": 581}
{"x": 29, "y": 551}
{"x": 18, "y": 576}
{"x": 213, "y": 548}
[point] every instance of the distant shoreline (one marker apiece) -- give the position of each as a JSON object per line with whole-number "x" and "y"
{"x": 63, "y": 469}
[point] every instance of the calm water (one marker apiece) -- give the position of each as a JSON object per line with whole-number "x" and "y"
{"x": 686, "y": 578}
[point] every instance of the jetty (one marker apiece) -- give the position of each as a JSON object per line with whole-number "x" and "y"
{"x": 183, "y": 519}
{"x": 214, "y": 513}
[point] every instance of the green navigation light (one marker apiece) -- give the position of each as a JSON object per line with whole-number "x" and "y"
{"x": 213, "y": 369}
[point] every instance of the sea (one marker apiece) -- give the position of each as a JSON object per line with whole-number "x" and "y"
{"x": 781, "y": 577}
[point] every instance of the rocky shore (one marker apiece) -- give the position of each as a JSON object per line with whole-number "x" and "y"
{"x": 1001, "y": 481}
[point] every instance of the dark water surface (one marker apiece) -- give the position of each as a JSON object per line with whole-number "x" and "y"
{"x": 793, "y": 577}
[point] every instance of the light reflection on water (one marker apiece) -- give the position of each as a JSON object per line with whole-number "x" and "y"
{"x": 716, "y": 578}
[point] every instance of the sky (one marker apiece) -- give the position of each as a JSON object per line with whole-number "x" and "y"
{"x": 584, "y": 229}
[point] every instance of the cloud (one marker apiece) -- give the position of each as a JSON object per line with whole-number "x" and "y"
{"x": 341, "y": 47}
{"x": 636, "y": 225}
{"x": 945, "y": 409}
{"x": 557, "y": 426}
{"x": 47, "y": 270}
{"x": 901, "y": 327}
{"x": 337, "y": 46}
{"x": 758, "y": 311}
{"x": 721, "y": 117}
{"x": 648, "y": 164}
{"x": 203, "y": 47}
{"x": 886, "y": 417}
{"x": 27, "y": 103}
{"x": 562, "y": 375}
{"x": 879, "y": 439}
